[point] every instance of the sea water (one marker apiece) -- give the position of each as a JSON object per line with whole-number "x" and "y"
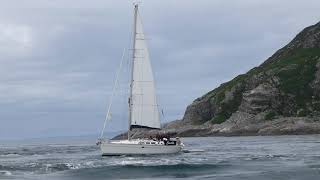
{"x": 269, "y": 157}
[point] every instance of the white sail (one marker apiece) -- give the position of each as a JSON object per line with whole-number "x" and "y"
{"x": 144, "y": 108}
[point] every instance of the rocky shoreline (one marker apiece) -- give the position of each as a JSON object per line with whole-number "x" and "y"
{"x": 233, "y": 127}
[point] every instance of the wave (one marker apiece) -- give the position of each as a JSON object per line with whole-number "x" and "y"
{"x": 268, "y": 157}
{"x": 142, "y": 171}
{"x": 46, "y": 149}
{"x": 40, "y": 168}
{"x": 175, "y": 166}
{"x": 61, "y": 167}
{"x": 9, "y": 155}
{"x": 5, "y": 173}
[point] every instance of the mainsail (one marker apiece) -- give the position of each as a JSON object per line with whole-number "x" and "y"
{"x": 143, "y": 103}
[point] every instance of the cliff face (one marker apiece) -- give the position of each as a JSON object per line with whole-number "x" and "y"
{"x": 281, "y": 96}
{"x": 285, "y": 86}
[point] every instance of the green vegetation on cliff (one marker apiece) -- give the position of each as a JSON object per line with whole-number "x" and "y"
{"x": 296, "y": 73}
{"x": 281, "y": 86}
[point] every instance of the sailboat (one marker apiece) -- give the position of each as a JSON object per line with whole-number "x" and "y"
{"x": 143, "y": 107}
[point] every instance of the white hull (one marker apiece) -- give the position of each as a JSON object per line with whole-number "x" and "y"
{"x": 110, "y": 148}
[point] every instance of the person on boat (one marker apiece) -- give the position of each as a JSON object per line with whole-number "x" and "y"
{"x": 178, "y": 140}
{"x": 160, "y": 137}
{"x": 165, "y": 140}
{"x": 98, "y": 143}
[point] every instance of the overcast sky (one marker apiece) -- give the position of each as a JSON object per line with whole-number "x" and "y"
{"x": 58, "y": 58}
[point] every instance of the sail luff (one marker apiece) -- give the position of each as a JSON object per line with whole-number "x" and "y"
{"x": 132, "y": 64}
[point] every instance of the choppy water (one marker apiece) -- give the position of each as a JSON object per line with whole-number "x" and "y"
{"x": 273, "y": 157}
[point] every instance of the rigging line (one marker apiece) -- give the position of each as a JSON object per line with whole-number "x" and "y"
{"x": 113, "y": 92}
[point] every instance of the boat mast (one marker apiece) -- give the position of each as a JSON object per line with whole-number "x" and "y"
{"x": 132, "y": 66}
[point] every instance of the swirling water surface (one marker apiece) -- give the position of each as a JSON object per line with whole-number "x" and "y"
{"x": 272, "y": 157}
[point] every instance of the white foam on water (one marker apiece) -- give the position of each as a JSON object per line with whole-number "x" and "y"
{"x": 89, "y": 164}
{"x": 133, "y": 162}
{"x": 148, "y": 161}
{"x": 72, "y": 166}
{"x": 6, "y": 173}
{"x": 47, "y": 167}
{"x": 10, "y": 155}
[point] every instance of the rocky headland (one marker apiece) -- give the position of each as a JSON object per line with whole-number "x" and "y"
{"x": 281, "y": 96}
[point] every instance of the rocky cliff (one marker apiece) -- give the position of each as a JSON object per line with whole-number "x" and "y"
{"x": 281, "y": 96}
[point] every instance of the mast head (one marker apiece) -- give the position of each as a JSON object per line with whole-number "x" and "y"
{"x": 136, "y": 4}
